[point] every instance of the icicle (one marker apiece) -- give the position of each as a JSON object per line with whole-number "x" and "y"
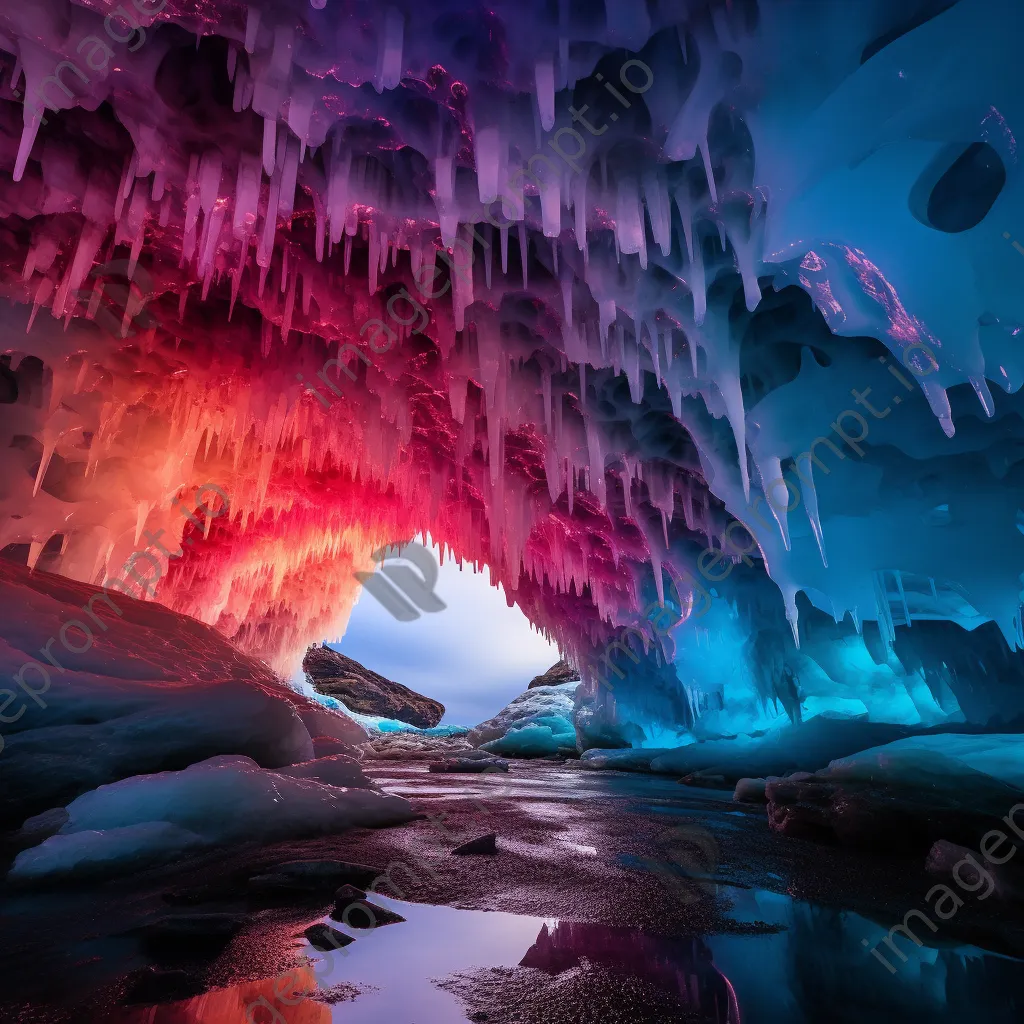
{"x": 488, "y": 255}
{"x": 544, "y": 77}
{"x": 269, "y": 144}
{"x": 252, "y": 27}
{"x": 28, "y": 138}
{"x": 810, "y": 495}
{"x": 389, "y": 58}
{"x": 771, "y": 474}
{"x": 49, "y": 446}
{"x": 984, "y": 395}
{"x": 523, "y": 250}
{"x": 939, "y": 403}
{"x": 486, "y": 145}
{"x": 659, "y": 208}
{"x": 706, "y": 156}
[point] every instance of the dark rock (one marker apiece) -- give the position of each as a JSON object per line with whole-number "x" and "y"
{"x": 957, "y": 864}
{"x": 750, "y": 791}
{"x": 707, "y": 780}
{"x": 313, "y": 876}
{"x": 469, "y": 764}
{"x": 324, "y": 938}
{"x": 363, "y": 914}
{"x": 483, "y": 844}
{"x": 348, "y": 894}
{"x": 559, "y": 673}
{"x": 885, "y": 815}
{"x": 366, "y": 692}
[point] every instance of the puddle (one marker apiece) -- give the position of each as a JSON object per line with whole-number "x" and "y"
{"x": 403, "y": 960}
{"x": 812, "y": 969}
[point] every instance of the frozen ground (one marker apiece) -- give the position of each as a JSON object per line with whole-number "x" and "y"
{"x": 590, "y": 847}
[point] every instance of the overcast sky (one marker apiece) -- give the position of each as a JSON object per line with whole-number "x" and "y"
{"x": 474, "y": 656}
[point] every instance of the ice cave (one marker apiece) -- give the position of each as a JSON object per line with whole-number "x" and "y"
{"x": 511, "y": 512}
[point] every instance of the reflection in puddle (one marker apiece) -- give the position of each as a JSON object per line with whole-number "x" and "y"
{"x": 449, "y": 966}
{"x": 817, "y": 968}
{"x": 681, "y": 967}
{"x": 278, "y": 1000}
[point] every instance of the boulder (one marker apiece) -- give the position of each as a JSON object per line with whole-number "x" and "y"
{"x": 750, "y": 791}
{"x": 367, "y": 693}
{"x": 363, "y": 915}
{"x": 973, "y": 872}
{"x": 481, "y": 845}
{"x": 559, "y": 673}
{"x": 323, "y": 938}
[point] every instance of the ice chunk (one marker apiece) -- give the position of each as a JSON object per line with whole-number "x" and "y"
{"x": 225, "y": 799}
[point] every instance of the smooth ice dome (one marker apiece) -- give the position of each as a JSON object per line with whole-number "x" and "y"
{"x": 227, "y": 799}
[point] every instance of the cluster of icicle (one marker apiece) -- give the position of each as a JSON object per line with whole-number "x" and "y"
{"x": 493, "y": 423}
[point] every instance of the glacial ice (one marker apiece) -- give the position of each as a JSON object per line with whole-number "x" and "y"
{"x": 994, "y": 754}
{"x": 225, "y": 799}
{"x": 537, "y": 723}
{"x": 124, "y": 707}
{"x": 787, "y": 262}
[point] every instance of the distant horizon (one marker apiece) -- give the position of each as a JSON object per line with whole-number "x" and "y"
{"x": 474, "y": 656}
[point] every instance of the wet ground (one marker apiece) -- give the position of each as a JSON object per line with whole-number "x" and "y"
{"x": 612, "y": 898}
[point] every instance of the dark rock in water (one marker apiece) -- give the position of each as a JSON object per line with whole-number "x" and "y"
{"x": 313, "y": 875}
{"x": 484, "y": 844}
{"x": 348, "y": 894}
{"x": 559, "y": 673}
{"x": 366, "y": 692}
{"x": 324, "y": 938}
{"x": 363, "y": 914}
{"x": 469, "y": 764}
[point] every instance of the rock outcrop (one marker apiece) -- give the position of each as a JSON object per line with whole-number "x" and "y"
{"x": 366, "y": 692}
{"x": 559, "y": 673}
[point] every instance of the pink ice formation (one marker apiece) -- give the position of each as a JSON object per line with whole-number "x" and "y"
{"x": 570, "y": 288}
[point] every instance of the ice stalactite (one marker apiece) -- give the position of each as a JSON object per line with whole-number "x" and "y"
{"x": 729, "y": 280}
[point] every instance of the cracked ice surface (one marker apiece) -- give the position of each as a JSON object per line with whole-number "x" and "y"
{"x": 744, "y": 210}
